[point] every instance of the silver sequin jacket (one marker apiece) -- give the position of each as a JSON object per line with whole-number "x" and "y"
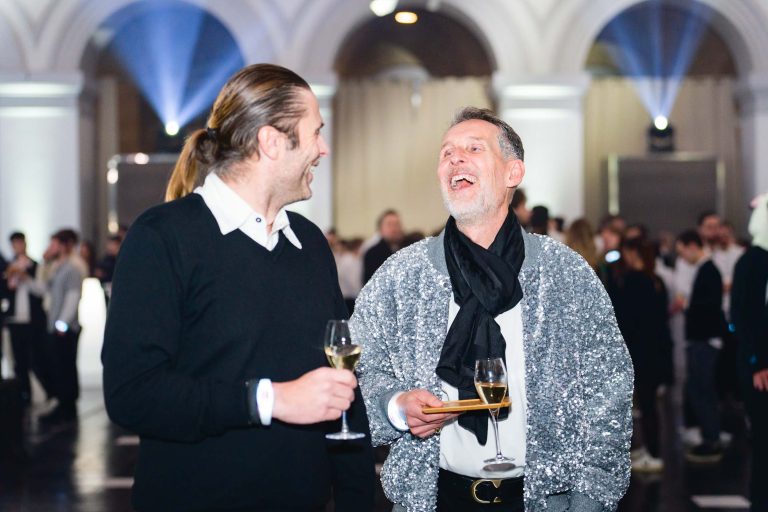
{"x": 578, "y": 375}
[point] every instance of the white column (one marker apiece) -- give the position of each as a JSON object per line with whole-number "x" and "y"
{"x": 546, "y": 111}
{"x": 753, "y": 96}
{"x": 319, "y": 209}
{"x": 39, "y": 156}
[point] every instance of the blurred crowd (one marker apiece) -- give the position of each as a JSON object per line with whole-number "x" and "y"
{"x": 671, "y": 294}
{"x": 39, "y": 303}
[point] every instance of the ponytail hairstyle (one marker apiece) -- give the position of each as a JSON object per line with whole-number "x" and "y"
{"x": 256, "y": 96}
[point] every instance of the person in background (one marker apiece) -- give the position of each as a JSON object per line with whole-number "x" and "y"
{"x": 704, "y": 329}
{"x": 641, "y": 306}
{"x": 105, "y": 268}
{"x": 62, "y": 284}
{"x": 556, "y": 228}
{"x": 349, "y": 265}
{"x": 749, "y": 313}
{"x": 636, "y": 231}
{"x": 610, "y": 255}
{"x": 519, "y": 206}
{"x": 580, "y": 238}
{"x": 26, "y": 321}
{"x": 5, "y": 299}
{"x": 86, "y": 258}
{"x": 615, "y": 223}
{"x": 539, "y": 224}
{"x": 709, "y": 227}
{"x": 390, "y": 230}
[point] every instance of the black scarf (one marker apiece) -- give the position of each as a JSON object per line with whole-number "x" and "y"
{"x": 485, "y": 285}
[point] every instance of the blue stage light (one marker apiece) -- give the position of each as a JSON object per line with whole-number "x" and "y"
{"x": 660, "y": 122}
{"x": 654, "y": 44}
{"x": 172, "y": 128}
{"x": 178, "y": 55}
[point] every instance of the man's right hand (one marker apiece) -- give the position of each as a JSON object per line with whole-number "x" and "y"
{"x": 319, "y": 395}
{"x": 420, "y": 424}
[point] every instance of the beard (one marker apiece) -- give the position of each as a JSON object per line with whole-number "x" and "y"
{"x": 467, "y": 212}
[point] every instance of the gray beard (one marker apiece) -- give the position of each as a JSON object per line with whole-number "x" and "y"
{"x": 468, "y": 216}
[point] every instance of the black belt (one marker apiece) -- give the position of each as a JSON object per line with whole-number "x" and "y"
{"x": 480, "y": 490}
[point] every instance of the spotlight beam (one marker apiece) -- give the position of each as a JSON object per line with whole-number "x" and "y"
{"x": 178, "y": 71}
{"x": 656, "y": 49}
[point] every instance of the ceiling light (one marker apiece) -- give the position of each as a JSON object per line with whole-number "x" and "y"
{"x": 383, "y": 7}
{"x": 406, "y": 17}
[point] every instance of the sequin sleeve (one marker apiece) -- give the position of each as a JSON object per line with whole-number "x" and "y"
{"x": 374, "y": 323}
{"x": 606, "y": 377}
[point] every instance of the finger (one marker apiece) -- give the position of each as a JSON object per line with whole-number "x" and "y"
{"x": 432, "y": 401}
{"x": 339, "y": 404}
{"x": 423, "y": 431}
{"x": 340, "y": 391}
{"x": 331, "y": 415}
{"x": 425, "y": 421}
{"x": 433, "y": 418}
{"x": 344, "y": 377}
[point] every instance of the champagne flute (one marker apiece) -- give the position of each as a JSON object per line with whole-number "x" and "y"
{"x": 491, "y": 385}
{"x": 342, "y": 353}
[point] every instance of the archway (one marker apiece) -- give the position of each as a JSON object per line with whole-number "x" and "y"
{"x": 399, "y": 87}
{"x": 684, "y": 67}
{"x": 139, "y": 78}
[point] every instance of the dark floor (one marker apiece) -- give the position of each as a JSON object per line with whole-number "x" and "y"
{"x": 87, "y": 467}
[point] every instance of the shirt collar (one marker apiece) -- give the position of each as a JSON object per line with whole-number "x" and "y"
{"x": 232, "y": 211}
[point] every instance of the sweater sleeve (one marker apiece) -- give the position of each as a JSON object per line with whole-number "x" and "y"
{"x": 143, "y": 336}
{"x": 374, "y": 321}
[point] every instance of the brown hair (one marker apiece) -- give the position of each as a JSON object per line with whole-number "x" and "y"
{"x": 580, "y": 237}
{"x": 256, "y": 96}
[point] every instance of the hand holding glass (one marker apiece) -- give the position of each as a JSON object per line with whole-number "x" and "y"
{"x": 342, "y": 353}
{"x": 491, "y": 385}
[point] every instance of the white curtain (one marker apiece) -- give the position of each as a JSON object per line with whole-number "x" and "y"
{"x": 704, "y": 117}
{"x": 386, "y": 142}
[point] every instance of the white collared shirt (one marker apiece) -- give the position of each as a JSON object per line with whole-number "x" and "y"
{"x": 459, "y": 450}
{"x": 232, "y": 212}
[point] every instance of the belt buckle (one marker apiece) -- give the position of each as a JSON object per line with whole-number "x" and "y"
{"x": 496, "y": 483}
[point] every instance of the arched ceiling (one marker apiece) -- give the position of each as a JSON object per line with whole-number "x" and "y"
{"x": 437, "y": 43}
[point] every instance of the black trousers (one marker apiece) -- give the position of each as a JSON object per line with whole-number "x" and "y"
{"x": 757, "y": 409}
{"x": 62, "y": 349}
{"x": 645, "y": 398}
{"x": 29, "y": 354}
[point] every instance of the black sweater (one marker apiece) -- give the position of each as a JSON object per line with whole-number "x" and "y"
{"x": 749, "y": 310}
{"x": 640, "y": 303}
{"x": 704, "y": 318}
{"x": 193, "y": 315}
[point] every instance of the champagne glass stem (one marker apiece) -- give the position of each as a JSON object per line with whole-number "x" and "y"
{"x": 344, "y": 426}
{"x": 494, "y": 413}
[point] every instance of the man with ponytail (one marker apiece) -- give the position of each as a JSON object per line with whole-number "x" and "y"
{"x": 213, "y": 346}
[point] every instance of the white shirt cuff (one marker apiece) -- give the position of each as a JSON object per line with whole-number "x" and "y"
{"x": 396, "y": 415}
{"x": 265, "y": 401}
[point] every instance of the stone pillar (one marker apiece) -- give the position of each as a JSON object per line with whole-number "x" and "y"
{"x": 319, "y": 209}
{"x": 39, "y": 156}
{"x": 547, "y": 112}
{"x": 753, "y": 99}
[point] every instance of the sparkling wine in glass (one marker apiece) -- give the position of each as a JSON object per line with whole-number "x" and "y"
{"x": 342, "y": 353}
{"x": 491, "y": 386}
